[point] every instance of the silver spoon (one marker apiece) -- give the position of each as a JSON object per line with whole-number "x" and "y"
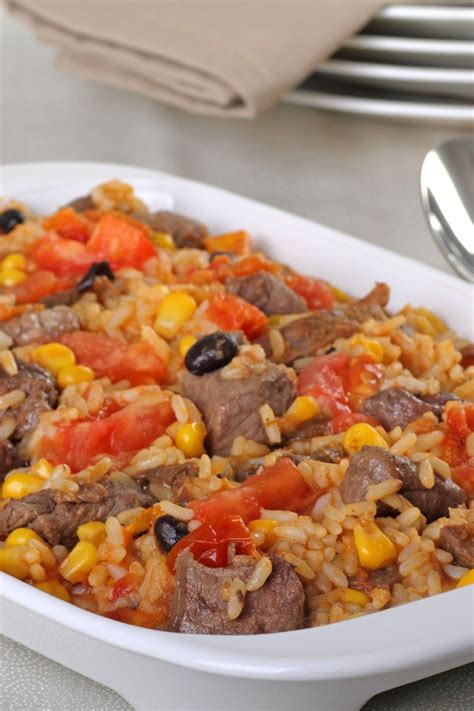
{"x": 447, "y": 193}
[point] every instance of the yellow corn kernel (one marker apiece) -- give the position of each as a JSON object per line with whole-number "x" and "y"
{"x": 163, "y": 240}
{"x": 374, "y": 548}
{"x": 338, "y": 294}
{"x": 173, "y": 312}
{"x": 42, "y": 468}
{"x": 372, "y": 347}
{"x": 265, "y": 526}
{"x": 54, "y": 587}
{"x": 190, "y": 439}
{"x": 93, "y": 531}
{"x": 20, "y": 484}
{"x": 21, "y": 537}
{"x": 303, "y": 408}
{"x": 11, "y": 561}
{"x": 74, "y": 374}
{"x": 355, "y": 596}
{"x": 14, "y": 261}
{"x": 467, "y": 579}
{"x": 79, "y": 563}
{"x": 185, "y": 344}
{"x": 54, "y": 357}
{"x": 361, "y": 435}
{"x": 11, "y": 277}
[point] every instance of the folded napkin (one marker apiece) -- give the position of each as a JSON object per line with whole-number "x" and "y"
{"x": 222, "y": 57}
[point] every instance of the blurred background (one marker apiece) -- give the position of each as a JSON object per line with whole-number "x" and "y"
{"x": 344, "y": 149}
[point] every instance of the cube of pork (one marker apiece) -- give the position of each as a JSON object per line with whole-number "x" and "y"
{"x": 200, "y": 607}
{"x": 459, "y": 541}
{"x": 268, "y": 293}
{"x": 230, "y": 406}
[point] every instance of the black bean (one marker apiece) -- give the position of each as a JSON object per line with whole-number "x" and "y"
{"x": 168, "y": 531}
{"x": 96, "y": 269}
{"x": 211, "y": 352}
{"x": 9, "y": 219}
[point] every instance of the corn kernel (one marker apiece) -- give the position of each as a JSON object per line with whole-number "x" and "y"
{"x": 11, "y": 277}
{"x": 374, "y": 548}
{"x": 338, "y": 294}
{"x": 14, "y": 261}
{"x": 20, "y": 484}
{"x": 11, "y": 561}
{"x": 79, "y": 563}
{"x": 173, "y": 312}
{"x": 42, "y": 468}
{"x": 21, "y": 537}
{"x": 74, "y": 374}
{"x": 372, "y": 347}
{"x": 265, "y": 526}
{"x": 185, "y": 344}
{"x": 361, "y": 435}
{"x": 467, "y": 579}
{"x": 93, "y": 531}
{"x": 303, "y": 408}
{"x": 54, "y": 357}
{"x": 163, "y": 240}
{"x": 54, "y": 587}
{"x": 190, "y": 439}
{"x": 357, "y": 597}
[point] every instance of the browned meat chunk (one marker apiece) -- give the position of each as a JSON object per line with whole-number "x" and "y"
{"x": 185, "y": 231}
{"x": 459, "y": 541}
{"x": 372, "y": 465}
{"x": 438, "y": 402}
{"x": 467, "y": 353}
{"x": 395, "y": 407}
{"x": 267, "y": 293}
{"x": 371, "y": 306}
{"x": 307, "y": 336}
{"x": 199, "y": 605}
{"x": 55, "y": 516}
{"x": 68, "y": 297}
{"x": 41, "y": 395}
{"x": 170, "y": 481}
{"x": 230, "y": 406}
{"x": 316, "y": 427}
{"x": 367, "y": 580}
{"x": 41, "y": 326}
{"x": 81, "y": 204}
{"x": 8, "y": 458}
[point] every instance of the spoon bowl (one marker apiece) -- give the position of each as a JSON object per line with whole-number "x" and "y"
{"x": 447, "y": 193}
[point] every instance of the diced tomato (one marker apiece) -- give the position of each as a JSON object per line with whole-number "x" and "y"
{"x": 122, "y": 433}
{"x": 250, "y": 265}
{"x": 114, "y": 359}
{"x": 209, "y": 544}
{"x": 339, "y": 383}
{"x": 38, "y": 285}
{"x": 124, "y": 587}
{"x": 120, "y": 242}
{"x": 460, "y": 420}
{"x": 460, "y": 424}
{"x": 316, "y": 294}
{"x": 231, "y": 313}
{"x": 280, "y": 486}
{"x": 464, "y": 477}
{"x": 236, "y": 242}
{"x": 61, "y": 256}
{"x": 69, "y": 224}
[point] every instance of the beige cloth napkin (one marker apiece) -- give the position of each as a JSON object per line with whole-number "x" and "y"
{"x": 222, "y": 57}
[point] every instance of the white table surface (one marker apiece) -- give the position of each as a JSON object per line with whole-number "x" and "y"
{"x": 354, "y": 174}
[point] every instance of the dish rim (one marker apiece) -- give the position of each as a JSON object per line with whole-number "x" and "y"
{"x": 298, "y": 659}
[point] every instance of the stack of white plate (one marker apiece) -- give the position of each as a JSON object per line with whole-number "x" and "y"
{"x": 412, "y": 62}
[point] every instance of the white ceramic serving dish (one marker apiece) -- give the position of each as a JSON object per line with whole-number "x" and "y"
{"x": 334, "y": 668}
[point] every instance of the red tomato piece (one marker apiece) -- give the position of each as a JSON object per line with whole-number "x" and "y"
{"x": 464, "y": 477}
{"x": 124, "y": 432}
{"x": 114, "y": 359}
{"x": 61, "y": 256}
{"x": 69, "y": 225}
{"x": 209, "y": 544}
{"x": 124, "y": 587}
{"x": 251, "y": 265}
{"x": 280, "y": 486}
{"x": 231, "y": 313}
{"x": 120, "y": 242}
{"x": 38, "y": 285}
{"x": 316, "y": 294}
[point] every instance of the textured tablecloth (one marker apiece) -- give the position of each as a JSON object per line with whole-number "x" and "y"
{"x": 354, "y": 174}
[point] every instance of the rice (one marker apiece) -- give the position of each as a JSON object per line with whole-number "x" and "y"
{"x": 179, "y": 512}
{"x": 259, "y": 574}
{"x": 11, "y": 399}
